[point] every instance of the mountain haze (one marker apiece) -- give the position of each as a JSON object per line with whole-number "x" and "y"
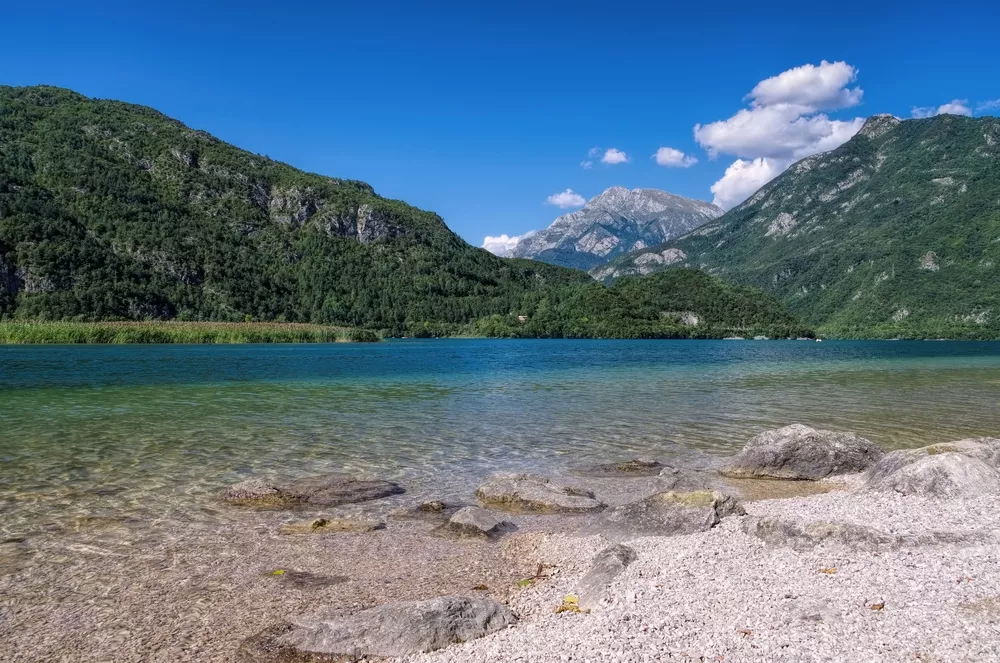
{"x": 895, "y": 233}
{"x": 617, "y": 221}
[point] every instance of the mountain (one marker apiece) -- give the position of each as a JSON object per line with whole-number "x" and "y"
{"x": 114, "y": 211}
{"x": 111, "y": 211}
{"x": 894, "y": 234}
{"x": 613, "y": 223}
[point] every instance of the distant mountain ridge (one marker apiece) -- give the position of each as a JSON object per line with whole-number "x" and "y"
{"x": 615, "y": 222}
{"x": 896, "y": 233}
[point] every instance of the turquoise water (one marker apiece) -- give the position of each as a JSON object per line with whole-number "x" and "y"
{"x": 100, "y": 431}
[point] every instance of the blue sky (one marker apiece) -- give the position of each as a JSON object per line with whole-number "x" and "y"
{"x": 481, "y": 113}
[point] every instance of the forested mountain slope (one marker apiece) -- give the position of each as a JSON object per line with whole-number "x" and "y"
{"x": 895, "y": 233}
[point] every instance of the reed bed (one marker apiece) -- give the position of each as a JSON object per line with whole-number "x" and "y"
{"x": 70, "y": 333}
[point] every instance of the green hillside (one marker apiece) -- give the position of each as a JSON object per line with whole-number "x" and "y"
{"x": 894, "y": 234}
{"x": 111, "y": 211}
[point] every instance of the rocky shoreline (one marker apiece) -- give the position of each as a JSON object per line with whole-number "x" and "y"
{"x": 808, "y": 545}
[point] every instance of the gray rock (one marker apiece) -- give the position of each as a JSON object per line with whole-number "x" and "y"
{"x": 801, "y": 452}
{"x": 804, "y": 536}
{"x": 605, "y": 567}
{"x": 514, "y": 491}
{"x": 476, "y": 522}
{"x": 941, "y": 475}
{"x": 678, "y": 479}
{"x": 331, "y": 526}
{"x": 397, "y": 629}
{"x": 986, "y": 449}
{"x": 669, "y": 514}
{"x": 637, "y": 467}
{"x": 325, "y": 490}
{"x": 810, "y": 535}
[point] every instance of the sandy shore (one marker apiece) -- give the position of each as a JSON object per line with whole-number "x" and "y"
{"x": 188, "y": 592}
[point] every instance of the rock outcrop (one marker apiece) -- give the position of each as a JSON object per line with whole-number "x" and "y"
{"x": 669, "y": 514}
{"x": 386, "y": 631}
{"x": 986, "y": 449}
{"x": 513, "y": 491}
{"x": 325, "y": 490}
{"x": 801, "y": 452}
{"x": 805, "y": 536}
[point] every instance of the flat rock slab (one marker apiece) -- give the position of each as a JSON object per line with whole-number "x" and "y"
{"x": 805, "y": 536}
{"x": 432, "y": 511}
{"x": 304, "y": 579}
{"x": 605, "y": 567}
{"x": 391, "y": 630}
{"x": 520, "y": 492}
{"x": 476, "y": 522}
{"x": 669, "y": 514}
{"x": 637, "y": 467}
{"x": 331, "y": 526}
{"x": 325, "y": 490}
{"x": 941, "y": 475}
{"x": 801, "y": 452}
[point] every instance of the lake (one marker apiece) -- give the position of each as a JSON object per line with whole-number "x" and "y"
{"x": 157, "y": 431}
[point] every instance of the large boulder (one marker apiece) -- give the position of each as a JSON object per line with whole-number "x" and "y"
{"x": 943, "y": 475}
{"x": 605, "y": 567}
{"x": 801, "y": 452}
{"x": 515, "y": 491}
{"x": 324, "y": 490}
{"x": 669, "y": 514}
{"x": 476, "y": 522}
{"x": 986, "y": 449}
{"x": 391, "y": 630}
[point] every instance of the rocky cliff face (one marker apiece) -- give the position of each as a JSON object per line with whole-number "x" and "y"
{"x": 616, "y": 222}
{"x": 896, "y": 232}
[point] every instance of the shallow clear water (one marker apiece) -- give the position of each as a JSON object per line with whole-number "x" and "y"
{"x": 155, "y": 431}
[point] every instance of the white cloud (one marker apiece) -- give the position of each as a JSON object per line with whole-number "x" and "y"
{"x": 987, "y": 105}
{"x": 742, "y": 178}
{"x": 673, "y": 158}
{"x": 613, "y": 156}
{"x": 587, "y": 164}
{"x": 566, "y": 199}
{"x": 955, "y": 107}
{"x": 593, "y": 152}
{"x": 810, "y": 87}
{"x": 503, "y": 245}
{"x": 784, "y": 123}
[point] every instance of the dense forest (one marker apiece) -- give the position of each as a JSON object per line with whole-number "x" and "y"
{"x": 111, "y": 211}
{"x": 894, "y": 234}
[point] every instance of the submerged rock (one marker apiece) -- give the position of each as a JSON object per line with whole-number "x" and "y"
{"x": 605, "y": 567}
{"x": 305, "y": 579}
{"x": 941, "y": 475}
{"x": 669, "y": 514}
{"x": 637, "y": 467}
{"x": 392, "y": 630}
{"x": 325, "y": 490}
{"x": 331, "y": 526}
{"x": 801, "y": 452}
{"x": 532, "y": 492}
{"x": 476, "y": 522}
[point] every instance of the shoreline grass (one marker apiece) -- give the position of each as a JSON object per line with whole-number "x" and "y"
{"x": 149, "y": 332}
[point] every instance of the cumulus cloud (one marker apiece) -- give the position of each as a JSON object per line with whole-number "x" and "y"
{"x": 613, "y": 156}
{"x": 784, "y": 123}
{"x": 673, "y": 158}
{"x": 503, "y": 245}
{"x": 955, "y": 107}
{"x": 742, "y": 178}
{"x": 983, "y": 106}
{"x": 810, "y": 87}
{"x": 566, "y": 199}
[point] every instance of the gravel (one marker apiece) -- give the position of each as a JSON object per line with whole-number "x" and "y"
{"x": 722, "y": 595}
